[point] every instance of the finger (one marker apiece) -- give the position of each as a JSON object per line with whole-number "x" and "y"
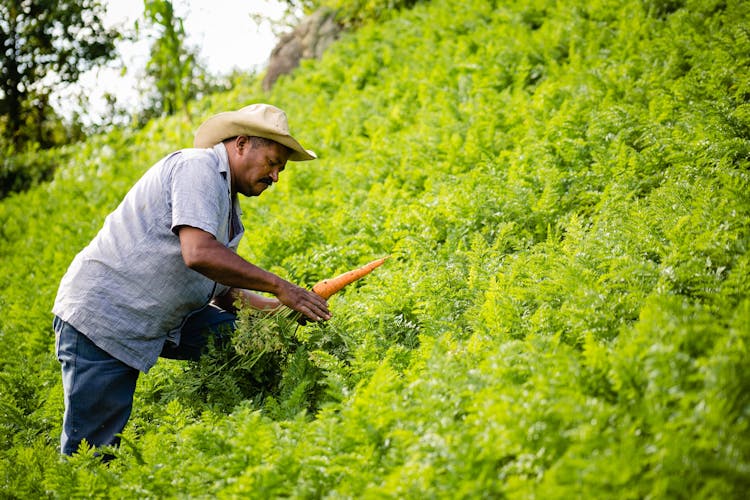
{"x": 316, "y": 314}
{"x": 318, "y": 300}
{"x": 321, "y": 314}
{"x": 319, "y": 307}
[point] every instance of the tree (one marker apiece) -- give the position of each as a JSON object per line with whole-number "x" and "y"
{"x": 43, "y": 44}
{"x": 173, "y": 70}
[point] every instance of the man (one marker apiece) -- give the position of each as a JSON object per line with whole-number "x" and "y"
{"x": 162, "y": 274}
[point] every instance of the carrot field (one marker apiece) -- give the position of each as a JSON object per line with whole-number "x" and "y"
{"x": 563, "y": 188}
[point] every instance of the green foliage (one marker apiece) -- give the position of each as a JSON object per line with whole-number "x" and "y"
{"x": 177, "y": 76}
{"x": 360, "y": 11}
{"x": 354, "y": 13}
{"x": 564, "y": 188}
{"x": 43, "y": 43}
{"x": 20, "y": 172}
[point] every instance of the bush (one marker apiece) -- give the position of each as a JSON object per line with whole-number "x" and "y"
{"x": 564, "y": 190}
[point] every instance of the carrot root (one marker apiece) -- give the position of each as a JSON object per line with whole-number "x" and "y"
{"x": 328, "y": 287}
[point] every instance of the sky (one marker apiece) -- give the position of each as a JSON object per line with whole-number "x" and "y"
{"x": 213, "y": 26}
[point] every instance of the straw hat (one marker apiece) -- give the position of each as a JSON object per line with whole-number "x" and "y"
{"x": 260, "y": 120}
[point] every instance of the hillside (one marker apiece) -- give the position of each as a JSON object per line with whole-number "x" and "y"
{"x": 564, "y": 188}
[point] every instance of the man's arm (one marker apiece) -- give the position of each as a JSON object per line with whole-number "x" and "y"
{"x": 256, "y": 301}
{"x": 202, "y": 253}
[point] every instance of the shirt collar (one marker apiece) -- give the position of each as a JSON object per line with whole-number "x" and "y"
{"x": 221, "y": 152}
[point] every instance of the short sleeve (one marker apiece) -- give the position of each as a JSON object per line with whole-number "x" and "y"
{"x": 199, "y": 195}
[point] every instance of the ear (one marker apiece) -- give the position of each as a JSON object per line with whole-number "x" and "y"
{"x": 240, "y": 142}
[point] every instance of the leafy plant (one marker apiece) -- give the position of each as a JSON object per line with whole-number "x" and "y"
{"x": 564, "y": 189}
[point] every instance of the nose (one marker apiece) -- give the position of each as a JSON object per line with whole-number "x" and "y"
{"x": 275, "y": 175}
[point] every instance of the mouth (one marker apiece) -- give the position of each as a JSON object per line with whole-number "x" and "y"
{"x": 267, "y": 181}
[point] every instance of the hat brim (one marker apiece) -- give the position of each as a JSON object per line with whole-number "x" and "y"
{"x": 232, "y": 123}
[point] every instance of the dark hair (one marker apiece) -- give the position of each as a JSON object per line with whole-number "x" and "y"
{"x": 259, "y": 142}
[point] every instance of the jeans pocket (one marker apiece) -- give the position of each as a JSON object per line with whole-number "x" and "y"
{"x": 56, "y": 327}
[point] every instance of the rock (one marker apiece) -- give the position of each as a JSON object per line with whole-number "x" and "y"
{"x": 307, "y": 41}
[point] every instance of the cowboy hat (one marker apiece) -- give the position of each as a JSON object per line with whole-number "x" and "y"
{"x": 260, "y": 120}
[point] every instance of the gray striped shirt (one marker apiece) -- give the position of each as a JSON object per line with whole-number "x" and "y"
{"x": 129, "y": 290}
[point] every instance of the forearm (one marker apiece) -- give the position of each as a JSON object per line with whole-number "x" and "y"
{"x": 247, "y": 298}
{"x": 215, "y": 261}
{"x": 204, "y": 254}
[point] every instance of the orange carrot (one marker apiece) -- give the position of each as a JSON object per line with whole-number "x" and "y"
{"x": 328, "y": 287}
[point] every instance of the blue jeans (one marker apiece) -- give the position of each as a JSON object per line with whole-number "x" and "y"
{"x": 99, "y": 389}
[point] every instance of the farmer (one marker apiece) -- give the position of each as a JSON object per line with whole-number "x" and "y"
{"x": 162, "y": 275}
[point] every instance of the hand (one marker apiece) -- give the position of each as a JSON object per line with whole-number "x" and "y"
{"x": 312, "y": 306}
{"x": 202, "y": 253}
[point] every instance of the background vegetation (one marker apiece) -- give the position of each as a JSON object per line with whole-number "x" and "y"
{"x": 564, "y": 188}
{"x": 47, "y": 46}
{"x": 44, "y": 44}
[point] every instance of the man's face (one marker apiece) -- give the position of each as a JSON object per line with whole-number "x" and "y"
{"x": 256, "y": 167}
